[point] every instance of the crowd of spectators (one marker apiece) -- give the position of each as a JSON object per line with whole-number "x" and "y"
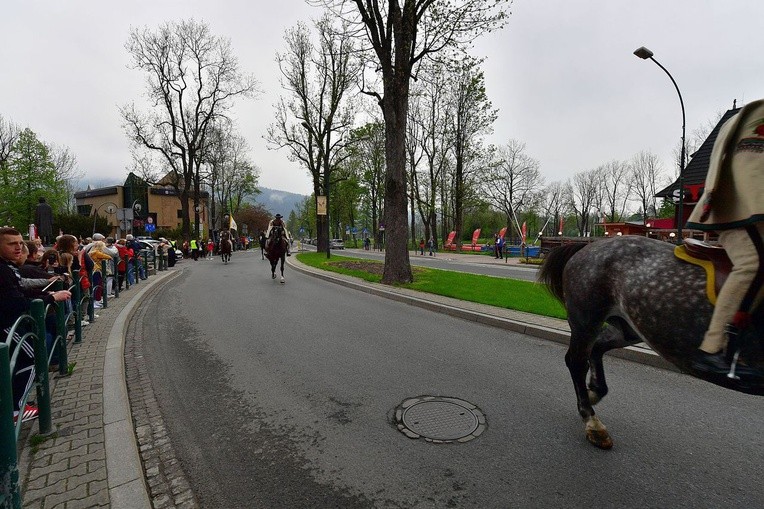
{"x": 27, "y": 271}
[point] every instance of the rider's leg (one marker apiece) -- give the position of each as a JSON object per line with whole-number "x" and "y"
{"x": 745, "y": 261}
{"x": 742, "y": 284}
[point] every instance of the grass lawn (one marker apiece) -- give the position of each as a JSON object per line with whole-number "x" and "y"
{"x": 494, "y": 291}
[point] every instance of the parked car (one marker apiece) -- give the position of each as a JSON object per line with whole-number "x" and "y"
{"x": 151, "y": 247}
{"x": 148, "y": 248}
{"x": 336, "y": 244}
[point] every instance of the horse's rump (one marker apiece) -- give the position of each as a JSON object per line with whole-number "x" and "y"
{"x": 553, "y": 266}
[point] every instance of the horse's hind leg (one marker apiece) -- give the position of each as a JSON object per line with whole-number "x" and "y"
{"x": 577, "y": 360}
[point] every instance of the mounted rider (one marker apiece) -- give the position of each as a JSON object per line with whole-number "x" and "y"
{"x": 278, "y": 221}
{"x": 733, "y": 205}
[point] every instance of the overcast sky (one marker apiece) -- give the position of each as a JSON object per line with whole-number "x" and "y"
{"x": 562, "y": 74}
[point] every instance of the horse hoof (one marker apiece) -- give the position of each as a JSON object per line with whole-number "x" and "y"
{"x": 282, "y": 281}
{"x": 273, "y": 276}
{"x": 597, "y": 435}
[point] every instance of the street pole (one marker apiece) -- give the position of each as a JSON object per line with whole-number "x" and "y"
{"x": 645, "y": 54}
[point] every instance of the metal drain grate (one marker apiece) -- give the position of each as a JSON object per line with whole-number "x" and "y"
{"x": 439, "y": 419}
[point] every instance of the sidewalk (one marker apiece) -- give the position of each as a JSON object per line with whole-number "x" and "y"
{"x": 92, "y": 458}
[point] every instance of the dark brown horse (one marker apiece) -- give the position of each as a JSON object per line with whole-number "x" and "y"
{"x": 276, "y": 250}
{"x": 226, "y": 246}
{"x": 626, "y": 290}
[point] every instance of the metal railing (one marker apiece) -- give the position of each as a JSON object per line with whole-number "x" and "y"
{"x": 33, "y": 328}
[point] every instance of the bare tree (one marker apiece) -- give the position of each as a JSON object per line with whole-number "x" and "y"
{"x": 368, "y": 159}
{"x": 583, "y": 195}
{"x": 553, "y": 205}
{"x": 9, "y": 134}
{"x": 230, "y": 175}
{"x": 615, "y": 189}
{"x": 646, "y": 175}
{"x": 513, "y": 182}
{"x": 472, "y": 117}
{"x": 429, "y": 111}
{"x": 401, "y": 35}
{"x": 192, "y": 80}
{"x": 314, "y": 123}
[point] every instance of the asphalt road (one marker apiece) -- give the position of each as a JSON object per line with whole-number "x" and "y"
{"x": 283, "y": 396}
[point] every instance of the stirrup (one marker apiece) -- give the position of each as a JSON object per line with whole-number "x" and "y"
{"x": 732, "y": 355}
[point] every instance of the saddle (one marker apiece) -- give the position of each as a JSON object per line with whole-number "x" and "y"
{"x": 713, "y": 259}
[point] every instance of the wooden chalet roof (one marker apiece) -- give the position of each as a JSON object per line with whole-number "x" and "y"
{"x": 696, "y": 170}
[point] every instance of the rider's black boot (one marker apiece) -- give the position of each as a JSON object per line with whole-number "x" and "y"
{"x": 726, "y": 364}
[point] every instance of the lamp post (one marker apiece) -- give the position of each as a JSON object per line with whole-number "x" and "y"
{"x": 112, "y": 208}
{"x": 645, "y": 54}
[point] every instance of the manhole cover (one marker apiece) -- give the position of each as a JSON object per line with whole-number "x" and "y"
{"x": 439, "y": 419}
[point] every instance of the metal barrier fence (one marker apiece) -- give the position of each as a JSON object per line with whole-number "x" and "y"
{"x": 31, "y": 328}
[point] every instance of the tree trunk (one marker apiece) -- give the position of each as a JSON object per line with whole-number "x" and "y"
{"x": 397, "y": 264}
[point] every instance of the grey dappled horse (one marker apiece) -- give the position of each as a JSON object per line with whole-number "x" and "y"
{"x": 625, "y": 290}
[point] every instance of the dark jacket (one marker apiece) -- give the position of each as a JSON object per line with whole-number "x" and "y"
{"x": 13, "y": 302}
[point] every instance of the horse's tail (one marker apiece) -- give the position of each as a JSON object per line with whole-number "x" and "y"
{"x": 553, "y": 266}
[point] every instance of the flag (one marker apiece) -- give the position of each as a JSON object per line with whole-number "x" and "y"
{"x": 559, "y": 232}
{"x": 232, "y": 224}
{"x": 524, "y": 230}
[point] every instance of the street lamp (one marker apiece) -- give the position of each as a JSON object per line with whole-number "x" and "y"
{"x": 110, "y": 209}
{"x": 645, "y": 54}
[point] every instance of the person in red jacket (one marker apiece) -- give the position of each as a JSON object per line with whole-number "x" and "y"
{"x": 125, "y": 255}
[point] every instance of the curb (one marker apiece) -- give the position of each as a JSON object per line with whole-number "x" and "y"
{"x": 640, "y": 354}
{"x": 126, "y": 479}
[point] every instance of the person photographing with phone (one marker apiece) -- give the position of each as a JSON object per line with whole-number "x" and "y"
{"x": 13, "y": 304}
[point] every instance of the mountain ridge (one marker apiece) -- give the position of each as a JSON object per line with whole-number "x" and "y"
{"x": 276, "y": 201}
